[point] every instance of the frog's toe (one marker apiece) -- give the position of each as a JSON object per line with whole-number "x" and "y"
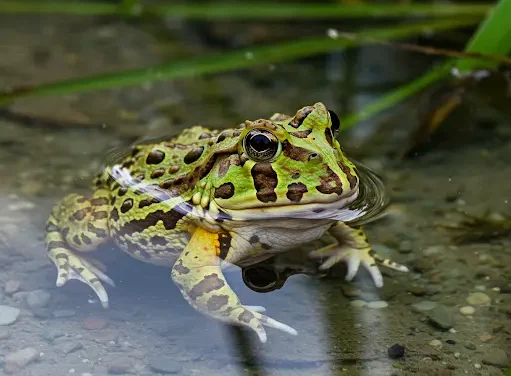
{"x": 256, "y": 321}
{"x": 255, "y": 308}
{"x": 70, "y": 266}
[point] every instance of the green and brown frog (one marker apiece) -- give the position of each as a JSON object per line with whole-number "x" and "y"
{"x": 209, "y": 197}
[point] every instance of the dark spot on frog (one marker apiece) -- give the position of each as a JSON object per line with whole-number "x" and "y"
{"x": 204, "y": 136}
{"x": 265, "y": 182}
{"x": 318, "y": 210}
{"x": 225, "y": 191}
{"x": 76, "y": 240}
{"x": 86, "y": 239}
{"x": 296, "y": 175}
{"x": 173, "y": 169}
{"x": 208, "y": 284}
{"x": 51, "y": 227}
{"x": 331, "y": 183}
{"x": 169, "y": 219}
{"x": 128, "y": 163}
{"x": 155, "y": 157}
{"x": 126, "y": 205}
{"x": 99, "y": 201}
{"x": 112, "y": 200}
{"x": 236, "y": 133}
{"x": 224, "y": 240}
{"x": 78, "y": 215}
{"x": 178, "y": 267}
{"x": 81, "y": 200}
{"x": 254, "y": 239}
{"x": 222, "y": 137}
{"x": 295, "y": 191}
{"x": 216, "y": 302}
{"x": 352, "y": 179}
{"x": 148, "y": 202}
{"x": 301, "y": 134}
{"x": 100, "y": 214}
{"x": 246, "y": 316}
{"x": 99, "y": 232}
{"x": 157, "y": 173}
{"x": 295, "y": 152}
{"x": 159, "y": 240}
{"x": 300, "y": 116}
{"x": 122, "y": 191}
{"x": 193, "y": 155}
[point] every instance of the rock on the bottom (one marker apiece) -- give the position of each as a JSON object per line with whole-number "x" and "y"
{"x": 8, "y": 315}
{"x": 13, "y": 362}
{"x": 496, "y": 357}
{"x": 163, "y": 364}
{"x": 441, "y": 317}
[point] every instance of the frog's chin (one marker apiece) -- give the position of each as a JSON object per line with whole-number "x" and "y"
{"x": 338, "y": 210}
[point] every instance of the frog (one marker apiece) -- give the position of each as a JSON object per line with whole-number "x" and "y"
{"x": 207, "y": 198}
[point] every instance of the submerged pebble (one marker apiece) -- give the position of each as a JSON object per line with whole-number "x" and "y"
{"x": 15, "y": 361}
{"x": 423, "y": 306}
{"x": 8, "y": 315}
{"x": 467, "y": 311}
{"x": 441, "y": 317}
{"x": 496, "y": 357}
{"x": 478, "y": 298}
{"x": 378, "y": 304}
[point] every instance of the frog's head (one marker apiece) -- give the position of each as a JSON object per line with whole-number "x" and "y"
{"x": 286, "y": 165}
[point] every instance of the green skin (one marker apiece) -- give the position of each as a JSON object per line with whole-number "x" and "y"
{"x": 207, "y": 196}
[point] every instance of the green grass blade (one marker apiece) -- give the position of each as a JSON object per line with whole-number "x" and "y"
{"x": 392, "y": 98}
{"x": 493, "y": 37}
{"x": 226, "y": 11}
{"x": 227, "y": 61}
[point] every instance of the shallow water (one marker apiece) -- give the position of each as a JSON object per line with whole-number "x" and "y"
{"x": 148, "y": 322}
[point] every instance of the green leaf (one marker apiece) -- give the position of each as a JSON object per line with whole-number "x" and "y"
{"x": 493, "y": 37}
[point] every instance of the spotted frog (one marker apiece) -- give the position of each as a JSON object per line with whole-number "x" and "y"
{"x": 209, "y": 198}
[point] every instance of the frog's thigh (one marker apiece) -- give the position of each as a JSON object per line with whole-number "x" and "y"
{"x": 353, "y": 248}
{"x": 78, "y": 224}
{"x": 198, "y": 275}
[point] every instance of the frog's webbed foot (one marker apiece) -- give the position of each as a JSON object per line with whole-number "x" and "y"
{"x": 198, "y": 275}
{"x": 353, "y": 248}
{"x": 78, "y": 225}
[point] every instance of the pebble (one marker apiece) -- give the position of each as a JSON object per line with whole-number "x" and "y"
{"x": 441, "y": 317}
{"x": 38, "y": 299}
{"x": 70, "y": 347}
{"x": 496, "y": 357}
{"x": 358, "y": 303}
{"x": 12, "y": 286}
{"x": 423, "y": 306}
{"x": 467, "y": 310}
{"x": 8, "y": 315}
{"x": 15, "y": 361}
{"x": 485, "y": 337}
{"x": 478, "y": 298}
{"x": 435, "y": 343}
{"x": 396, "y": 351}
{"x": 350, "y": 292}
{"x": 94, "y": 323}
{"x": 63, "y": 313}
{"x": 435, "y": 250}
{"x": 469, "y": 345}
{"x": 50, "y": 334}
{"x": 163, "y": 364}
{"x": 121, "y": 366}
{"x": 379, "y": 304}
{"x": 405, "y": 246}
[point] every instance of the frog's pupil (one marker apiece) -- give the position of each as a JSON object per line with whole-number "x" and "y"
{"x": 260, "y": 142}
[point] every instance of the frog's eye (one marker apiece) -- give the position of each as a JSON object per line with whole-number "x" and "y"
{"x": 336, "y": 123}
{"x": 261, "y": 145}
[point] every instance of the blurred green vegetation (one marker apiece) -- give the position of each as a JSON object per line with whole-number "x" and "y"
{"x": 493, "y": 37}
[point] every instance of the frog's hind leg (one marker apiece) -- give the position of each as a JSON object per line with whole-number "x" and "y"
{"x": 352, "y": 247}
{"x": 198, "y": 275}
{"x": 78, "y": 224}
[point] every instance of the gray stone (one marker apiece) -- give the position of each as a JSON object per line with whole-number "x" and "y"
{"x": 423, "y": 306}
{"x": 496, "y": 357}
{"x": 8, "y": 315}
{"x": 478, "y": 298}
{"x": 163, "y": 364}
{"x": 70, "y": 347}
{"x": 441, "y": 317}
{"x": 405, "y": 246}
{"x": 50, "y": 334}
{"x": 63, "y": 313}
{"x": 13, "y": 362}
{"x": 38, "y": 299}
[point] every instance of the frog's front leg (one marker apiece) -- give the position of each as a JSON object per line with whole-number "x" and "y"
{"x": 78, "y": 224}
{"x": 198, "y": 275}
{"x": 353, "y": 248}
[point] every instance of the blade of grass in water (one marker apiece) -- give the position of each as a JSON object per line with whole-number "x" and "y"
{"x": 219, "y": 11}
{"x": 226, "y": 61}
{"x": 493, "y": 37}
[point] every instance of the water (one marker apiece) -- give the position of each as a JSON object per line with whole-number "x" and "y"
{"x": 149, "y": 325}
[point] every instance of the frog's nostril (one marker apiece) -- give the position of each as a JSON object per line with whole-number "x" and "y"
{"x": 260, "y": 279}
{"x": 313, "y": 156}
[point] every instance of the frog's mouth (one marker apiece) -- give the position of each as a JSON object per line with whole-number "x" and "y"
{"x": 360, "y": 205}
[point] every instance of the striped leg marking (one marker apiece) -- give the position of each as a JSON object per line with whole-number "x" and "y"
{"x": 78, "y": 225}
{"x": 353, "y": 248}
{"x": 197, "y": 273}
